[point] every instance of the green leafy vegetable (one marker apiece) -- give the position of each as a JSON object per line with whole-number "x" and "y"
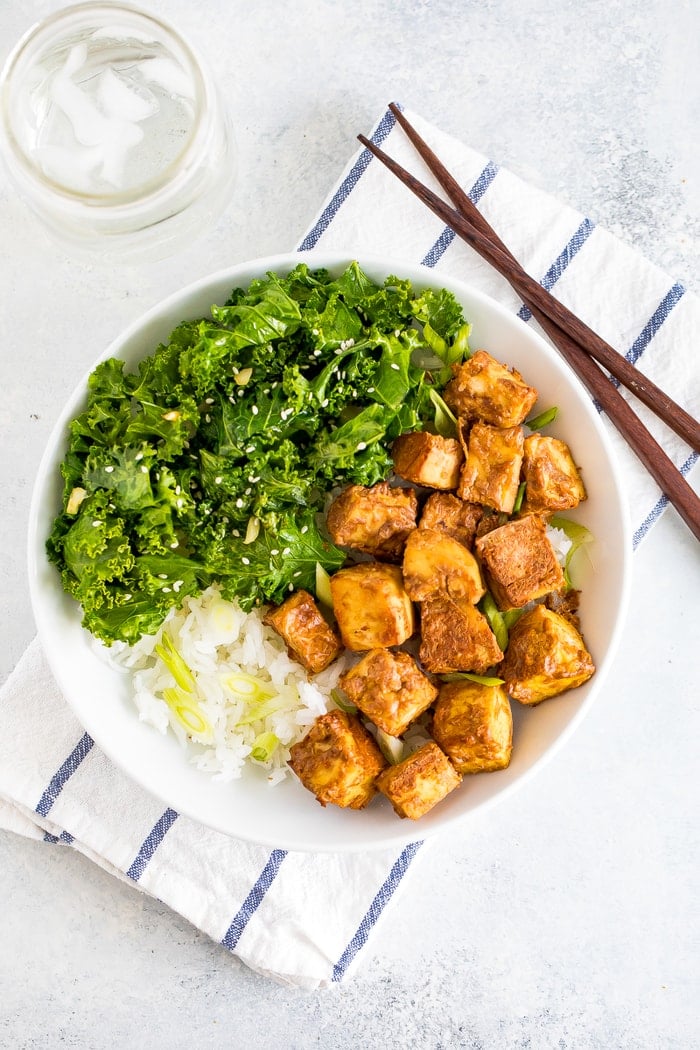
{"x": 213, "y": 460}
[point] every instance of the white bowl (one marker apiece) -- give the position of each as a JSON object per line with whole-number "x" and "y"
{"x": 287, "y": 816}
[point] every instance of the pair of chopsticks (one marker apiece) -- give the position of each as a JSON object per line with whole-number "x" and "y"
{"x": 581, "y": 347}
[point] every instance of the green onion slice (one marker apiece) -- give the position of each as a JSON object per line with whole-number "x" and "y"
{"x": 390, "y": 746}
{"x": 246, "y": 687}
{"x": 445, "y": 419}
{"x": 174, "y": 662}
{"x": 340, "y": 701}
{"x": 187, "y": 711}
{"x": 579, "y": 536}
{"x": 323, "y": 586}
{"x": 481, "y": 679}
{"x": 519, "y": 497}
{"x": 436, "y": 343}
{"x": 543, "y": 419}
{"x": 264, "y": 746}
{"x": 495, "y": 618}
{"x": 459, "y": 351}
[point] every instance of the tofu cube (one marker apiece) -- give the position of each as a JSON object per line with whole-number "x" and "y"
{"x": 473, "y": 725}
{"x": 455, "y": 636}
{"x": 338, "y": 761}
{"x": 519, "y": 562}
{"x": 434, "y": 563}
{"x": 389, "y": 688}
{"x": 456, "y": 517}
{"x": 484, "y": 389}
{"x": 428, "y": 459}
{"x": 546, "y": 655}
{"x": 552, "y": 480}
{"x": 419, "y": 782}
{"x": 491, "y": 473}
{"x": 371, "y": 606}
{"x": 309, "y": 638}
{"x": 374, "y": 520}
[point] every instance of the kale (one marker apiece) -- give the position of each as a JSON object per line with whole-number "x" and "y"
{"x": 213, "y": 461}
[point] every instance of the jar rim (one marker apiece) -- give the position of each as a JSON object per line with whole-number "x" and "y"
{"x": 171, "y": 177}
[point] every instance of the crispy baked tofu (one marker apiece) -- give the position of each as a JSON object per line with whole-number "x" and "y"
{"x": 456, "y": 517}
{"x": 374, "y": 520}
{"x": 309, "y": 638}
{"x": 419, "y": 782}
{"x": 338, "y": 760}
{"x": 491, "y": 472}
{"x": 519, "y": 562}
{"x": 389, "y": 688}
{"x": 371, "y": 606}
{"x": 428, "y": 459}
{"x": 552, "y": 480}
{"x": 484, "y": 389}
{"x": 456, "y": 637}
{"x": 434, "y": 563}
{"x": 546, "y": 655}
{"x": 473, "y": 725}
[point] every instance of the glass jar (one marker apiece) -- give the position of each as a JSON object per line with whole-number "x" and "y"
{"x": 114, "y": 132}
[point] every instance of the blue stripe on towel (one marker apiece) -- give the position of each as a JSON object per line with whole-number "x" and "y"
{"x": 561, "y": 262}
{"x": 376, "y": 908}
{"x": 348, "y": 184}
{"x": 672, "y": 297}
{"x": 254, "y": 899}
{"x": 63, "y": 774}
{"x": 448, "y": 234}
{"x": 65, "y": 838}
{"x": 151, "y": 843}
{"x": 662, "y": 504}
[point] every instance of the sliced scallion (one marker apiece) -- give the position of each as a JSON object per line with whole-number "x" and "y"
{"x": 480, "y": 679}
{"x": 264, "y": 746}
{"x": 493, "y": 614}
{"x": 445, "y": 420}
{"x": 543, "y": 419}
{"x": 323, "y": 586}
{"x": 175, "y": 663}
{"x": 579, "y": 536}
{"x": 187, "y": 711}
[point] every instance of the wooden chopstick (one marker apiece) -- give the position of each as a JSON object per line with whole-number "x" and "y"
{"x": 635, "y": 381}
{"x": 486, "y": 242}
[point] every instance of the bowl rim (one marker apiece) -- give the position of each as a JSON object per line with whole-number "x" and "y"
{"x": 404, "y": 832}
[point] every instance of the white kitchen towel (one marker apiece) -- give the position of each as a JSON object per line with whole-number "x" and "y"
{"x": 304, "y": 919}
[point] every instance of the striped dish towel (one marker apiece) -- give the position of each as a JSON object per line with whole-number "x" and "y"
{"x": 57, "y": 786}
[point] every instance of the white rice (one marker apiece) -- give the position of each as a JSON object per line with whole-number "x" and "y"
{"x": 217, "y": 639}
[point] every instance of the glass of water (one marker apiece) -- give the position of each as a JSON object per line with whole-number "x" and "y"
{"x": 114, "y": 132}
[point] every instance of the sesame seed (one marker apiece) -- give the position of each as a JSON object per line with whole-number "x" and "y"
{"x": 208, "y": 400}
{"x": 395, "y": 367}
{"x": 144, "y": 470}
{"x": 96, "y": 524}
{"x": 166, "y": 590}
{"x": 162, "y": 575}
{"x": 109, "y": 470}
{"x": 138, "y": 456}
{"x": 174, "y": 544}
{"x": 274, "y": 552}
{"x": 287, "y": 551}
{"x": 177, "y": 585}
{"x": 246, "y": 561}
{"x": 304, "y": 528}
{"x": 361, "y": 446}
{"x": 218, "y": 480}
{"x": 239, "y": 503}
{"x": 207, "y": 418}
{"x": 254, "y": 410}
